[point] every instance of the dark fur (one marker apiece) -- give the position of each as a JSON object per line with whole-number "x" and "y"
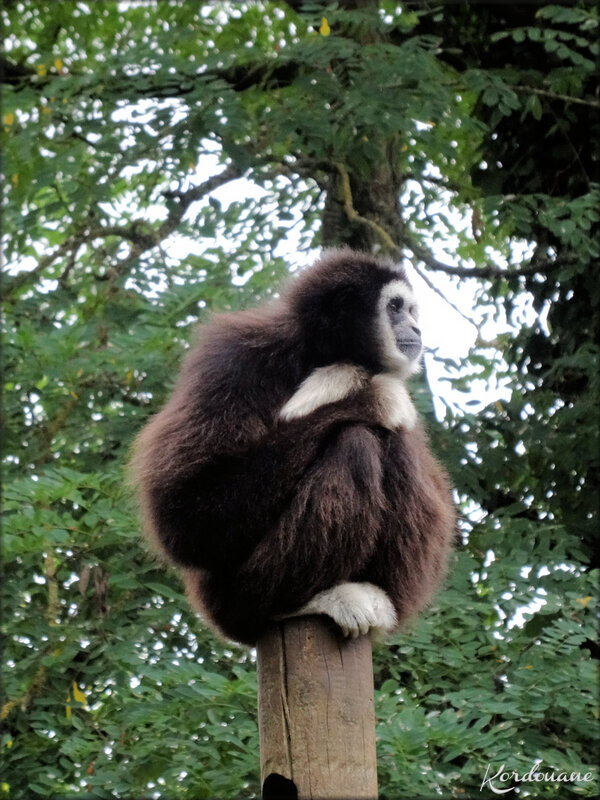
{"x": 262, "y": 514}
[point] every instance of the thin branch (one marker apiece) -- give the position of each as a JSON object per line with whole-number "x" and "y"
{"x": 564, "y": 131}
{"x": 39, "y": 679}
{"x": 62, "y": 280}
{"x": 15, "y": 282}
{"x": 423, "y": 254}
{"x": 275, "y": 73}
{"x": 141, "y": 237}
{"x": 554, "y": 96}
{"x": 52, "y": 582}
{"x": 231, "y": 173}
{"x": 184, "y": 200}
{"x": 442, "y": 181}
{"x": 489, "y": 271}
{"x": 423, "y": 275}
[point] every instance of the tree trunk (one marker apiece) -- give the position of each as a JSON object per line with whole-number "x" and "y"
{"x": 374, "y": 196}
{"x": 316, "y": 712}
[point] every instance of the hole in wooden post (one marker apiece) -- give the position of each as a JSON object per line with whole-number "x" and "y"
{"x": 276, "y": 787}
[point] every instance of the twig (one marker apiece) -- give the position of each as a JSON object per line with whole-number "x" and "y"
{"x": 553, "y": 96}
{"x": 70, "y": 264}
{"x": 15, "y": 282}
{"x": 423, "y": 275}
{"x": 489, "y": 271}
{"x": 422, "y": 254}
{"x": 39, "y": 678}
{"x": 142, "y": 238}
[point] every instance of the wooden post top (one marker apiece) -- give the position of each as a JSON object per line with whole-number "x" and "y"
{"x": 316, "y": 712}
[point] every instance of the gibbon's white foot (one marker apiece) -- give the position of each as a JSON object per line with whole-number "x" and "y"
{"x": 357, "y": 608}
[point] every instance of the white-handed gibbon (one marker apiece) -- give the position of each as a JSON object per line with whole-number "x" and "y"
{"x": 289, "y": 472}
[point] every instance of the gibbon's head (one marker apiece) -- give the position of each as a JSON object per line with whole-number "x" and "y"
{"x": 357, "y": 308}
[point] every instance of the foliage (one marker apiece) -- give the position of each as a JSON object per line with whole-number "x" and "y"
{"x": 122, "y": 125}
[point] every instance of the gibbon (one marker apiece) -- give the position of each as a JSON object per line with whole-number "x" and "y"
{"x": 289, "y": 472}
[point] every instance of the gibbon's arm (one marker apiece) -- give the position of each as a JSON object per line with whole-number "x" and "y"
{"x": 212, "y": 513}
{"x": 325, "y": 536}
{"x": 391, "y": 404}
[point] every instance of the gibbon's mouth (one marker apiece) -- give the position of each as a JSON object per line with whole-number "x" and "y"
{"x": 410, "y": 347}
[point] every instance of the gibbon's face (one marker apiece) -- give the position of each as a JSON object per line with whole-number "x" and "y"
{"x": 399, "y": 330}
{"x": 354, "y": 308}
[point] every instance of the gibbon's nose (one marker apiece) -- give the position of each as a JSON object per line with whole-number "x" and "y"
{"x": 416, "y": 330}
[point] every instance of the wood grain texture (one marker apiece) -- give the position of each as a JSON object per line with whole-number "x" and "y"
{"x": 316, "y": 712}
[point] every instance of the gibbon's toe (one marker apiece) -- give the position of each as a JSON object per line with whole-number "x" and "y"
{"x": 384, "y": 614}
{"x": 349, "y": 609}
{"x": 356, "y": 608}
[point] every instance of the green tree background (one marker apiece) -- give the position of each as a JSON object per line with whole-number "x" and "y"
{"x": 375, "y": 128}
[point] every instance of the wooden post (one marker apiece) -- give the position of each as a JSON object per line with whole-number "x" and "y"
{"x": 316, "y": 714}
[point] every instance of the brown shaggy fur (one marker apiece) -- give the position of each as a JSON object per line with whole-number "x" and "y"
{"x": 260, "y": 514}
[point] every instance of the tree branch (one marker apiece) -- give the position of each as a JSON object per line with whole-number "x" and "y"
{"x": 427, "y": 280}
{"x": 422, "y": 254}
{"x": 274, "y": 72}
{"x": 489, "y": 271}
{"x": 353, "y": 216}
{"x": 39, "y": 679}
{"x": 553, "y": 96}
{"x": 141, "y": 237}
{"x": 184, "y": 200}
{"x": 15, "y": 282}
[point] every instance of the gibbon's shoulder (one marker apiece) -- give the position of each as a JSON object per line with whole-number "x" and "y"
{"x": 235, "y": 334}
{"x": 235, "y": 354}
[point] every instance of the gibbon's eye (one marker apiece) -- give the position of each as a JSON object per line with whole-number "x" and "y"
{"x": 396, "y": 304}
{"x": 413, "y": 311}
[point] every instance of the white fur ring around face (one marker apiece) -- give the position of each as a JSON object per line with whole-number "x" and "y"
{"x": 357, "y": 608}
